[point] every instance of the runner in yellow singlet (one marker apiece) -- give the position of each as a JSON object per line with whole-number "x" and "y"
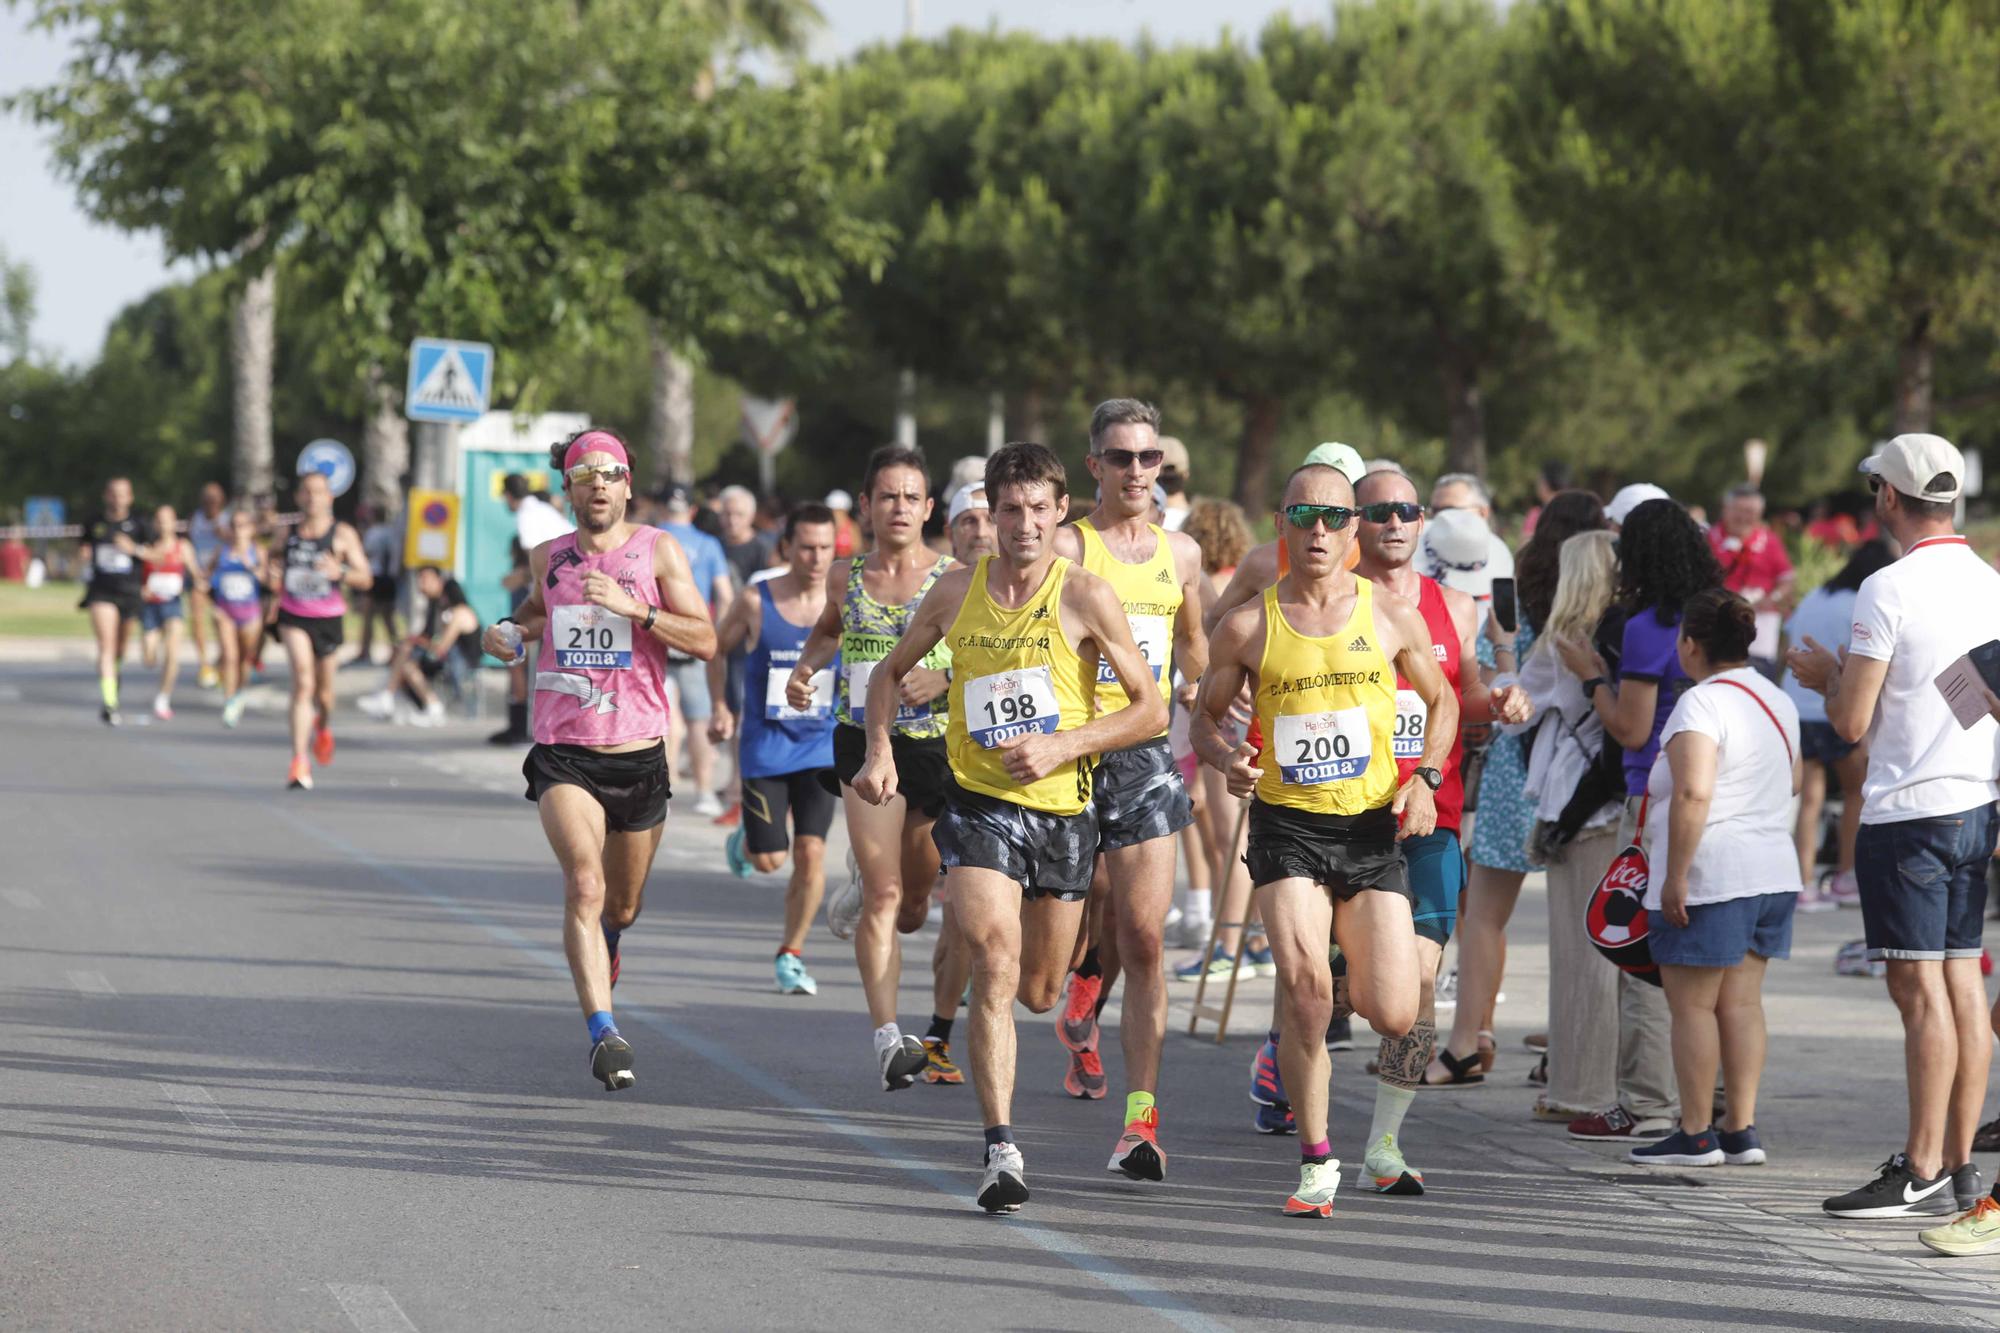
{"x": 1321, "y": 653}
{"x": 1018, "y": 835}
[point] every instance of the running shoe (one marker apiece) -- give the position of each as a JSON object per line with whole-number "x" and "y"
{"x": 1085, "y": 1076}
{"x": 1217, "y": 967}
{"x": 793, "y": 979}
{"x": 732, "y": 851}
{"x": 730, "y": 818}
{"x": 1340, "y": 1034}
{"x": 1192, "y": 933}
{"x": 1966, "y": 1186}
{"x": 1815, "y": 898}
{"x": 381, "y": 705}
{"x": 1076, "y": 1026}
{"x": 901, "y": 1063}
{"x": 1138, "y": 1155}
{"x": 1276, "y": 1119}
{"x": 1740, "y": 1147}
{"x": 110, "y": 717}
{"x": 1681, "y": 1148}
{"x": 300, "y": 778}
{"x": 1267, "y": 1081}
{"x": 208, "y": 677}
{"x": 1896, "y": 1191}
{"x": 938, "y": 1067}
{"x": 707, "y": 805}
{"x": 1618, "y": 1126}
{"x": 1852, "y": 960}
{"x": 1384, "y": 1171}
{"x": 1318, "y": 1182}
{"x": 611, "y": 1062}
{"x": 1447, "y": 990}
{"x": 1987, "y": 1137}
{"x": 1843, "y": 890}
{"x": 322, "y": 745}
{"x": 1538, "y": 1042}
{"x": 1257, "y": 960}
{"x": 232, "y": 710}
{"x": 1974, "y": 1232}
{"x": 1004, "y": 1187}
{"x": 162, "y": 709}
{"x": 843, "y": 905}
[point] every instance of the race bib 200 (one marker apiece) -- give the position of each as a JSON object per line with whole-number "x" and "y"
{"x": 1153, "y": 639}
{"x": 1412, "y": 714}
{"x": 1322, "y": 747}
{"x": 1000, "y": 707}
{"x": 591, "y": 637}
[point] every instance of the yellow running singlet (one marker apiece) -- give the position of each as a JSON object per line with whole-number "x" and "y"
{"x": 1151, "y": 592}
{"x": 1327, "y": 711}
{"x": 1012, "y": 673}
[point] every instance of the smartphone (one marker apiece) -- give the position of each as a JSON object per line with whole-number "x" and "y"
{"x": 1503, "y": 605}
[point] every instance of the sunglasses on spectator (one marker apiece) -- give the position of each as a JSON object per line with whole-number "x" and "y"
{"x": 608, "y": 474}
{"x": 1127, "y": 457}
{"x": 1382, "y": 510}
{"x": 1304, "y": 517}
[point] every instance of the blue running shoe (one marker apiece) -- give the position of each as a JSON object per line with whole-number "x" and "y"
{"x": 793, "y": 979}
{"x": 739, "y": 864}
{"x": 1257, "y": 960}
{"x": 1267, "y": 1084}
{"x": 1216, "y": 966}
{"x": 1741, "y": 1147}
{"x": 1276, "y": 1119}
{"x": 1681, "y": 1148}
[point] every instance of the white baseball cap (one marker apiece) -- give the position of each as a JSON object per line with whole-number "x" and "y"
{"x": 968, "y": 498}
{"x": 838, "y": 499}
{"x": 1339, "y": 456}
{"x": 1923, "y": 467}
{"x": 1456, "y": 549}
{"x": 1630, "y": 498}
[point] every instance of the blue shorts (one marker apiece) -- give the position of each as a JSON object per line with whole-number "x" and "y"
{"x": 690, "y": 678}
{"x": 1437, "y": 877}
{"x": 1819, "y": 743}
{"x": 1923, "y": 885}
{"x": 155, "y": 615}
{"x": 1719, "y": 934}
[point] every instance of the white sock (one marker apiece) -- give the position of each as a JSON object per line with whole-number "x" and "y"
{"x": 1197, "y": 907}
{"x": 1390, "y": 1106}
{"x": 886, "y": 1036}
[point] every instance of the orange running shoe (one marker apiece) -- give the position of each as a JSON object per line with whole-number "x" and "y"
{"x": 1138, "y": 1154}
{"x": 1076, "y": 1028}
{"x": 938, "y": 1064}
{"x": 1085, "y": 1077}
{"x": 301, "y": 776}
{"x": 322, "y": 744}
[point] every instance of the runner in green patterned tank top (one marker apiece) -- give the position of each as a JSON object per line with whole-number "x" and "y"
{"x": 868, "y": 633}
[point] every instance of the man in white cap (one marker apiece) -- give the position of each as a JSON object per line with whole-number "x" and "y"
{"x": 1174, "y": 508}
{"x": 970, "y": 524}
{"x": 1466, "y": 492}
{"x": 846, "y": 536}
{"x": 1927, "y": 827}
{"x": 1630, "y": 498}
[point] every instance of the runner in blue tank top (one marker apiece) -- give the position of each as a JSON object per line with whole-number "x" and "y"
{"x": 784, "y": 749}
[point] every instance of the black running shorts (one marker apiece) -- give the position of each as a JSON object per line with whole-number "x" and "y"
{"x": 127, "y": 601}
{"x": 326, "y": 632}
{"x": 765, "y": 801}
{"x": 923, "y": 772}
{"x": 1045, "y": 854}
{"x": 1345, "y": 853}
{"x": 1140, "y": 796}
{"x": 631, "y": 786}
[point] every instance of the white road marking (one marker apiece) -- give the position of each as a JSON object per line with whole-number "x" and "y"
{"x": 22, "y": 899}
{"x": 194, "y": 1102}
{"x": 92, "y": 983}
{"x": 371, "y": 1309}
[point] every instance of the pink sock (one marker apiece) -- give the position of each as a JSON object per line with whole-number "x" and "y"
{"x": 1322, "y": 1149}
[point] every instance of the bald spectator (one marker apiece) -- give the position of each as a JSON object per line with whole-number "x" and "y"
{"x": 1755, "y": 567}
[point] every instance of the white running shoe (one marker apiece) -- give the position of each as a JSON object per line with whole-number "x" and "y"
{"x": 843, "y": 905}
{"x": 162, "y": 709}
{"x": 1318, "y": 1183}
{"x": 902, "y": 1061}
{"x": 707, "y": 805}
{"x": 1004, "y": 1187}
{"x": 430, "y": 715}
{"x": 380, "y": 705}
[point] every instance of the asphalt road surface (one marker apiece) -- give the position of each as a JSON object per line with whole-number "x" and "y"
{"x": 311, "y": 1061}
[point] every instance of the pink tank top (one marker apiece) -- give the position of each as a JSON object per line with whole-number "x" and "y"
{"x": 306, "y": 591}
{"x": 601, "y": 679}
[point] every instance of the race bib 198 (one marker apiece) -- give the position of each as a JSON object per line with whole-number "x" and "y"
{"x": 1322, "y": 747}
{"x": 1411, "y": 716}
{"x": 776, "y": 709}
{"x": 1000, "y": 707}
{"x": 591, "y": 637}
{"x": 1153, "y": 639}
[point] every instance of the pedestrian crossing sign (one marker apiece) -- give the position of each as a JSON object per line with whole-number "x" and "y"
{"x": 449, "y": 381}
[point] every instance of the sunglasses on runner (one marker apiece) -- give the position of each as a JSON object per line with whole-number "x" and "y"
{"x": 609, "y": 474}
{"x": 1126, "y": 457}
{"x": 1382, "y": 510}
{"x": 1304, "y": 516}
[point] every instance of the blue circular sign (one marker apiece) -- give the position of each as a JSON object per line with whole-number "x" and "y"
{"x": 331, "y": 459}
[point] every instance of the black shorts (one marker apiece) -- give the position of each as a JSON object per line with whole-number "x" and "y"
{"x": 1346, "y": 853}
{"x": 382, "y": 592}
{"x": 765, "y": 801}
{"x": 326, "y": 632}
{"x": 632, "y": 786}
{"x": 1047, "y": 855}
{"x": 1140, "y": 796}
{"x": 923, "y": 771}
{"x": 127, "y": 601}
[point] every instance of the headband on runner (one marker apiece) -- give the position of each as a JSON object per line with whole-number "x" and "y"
{"x": 594, "y": 442}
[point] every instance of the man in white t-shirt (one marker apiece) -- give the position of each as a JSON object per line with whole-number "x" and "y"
{"x": 1927, "y": 817}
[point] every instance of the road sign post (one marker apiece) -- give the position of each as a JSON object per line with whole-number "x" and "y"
{"x": 332, "y": 460}
{"x": 768, "y": 426}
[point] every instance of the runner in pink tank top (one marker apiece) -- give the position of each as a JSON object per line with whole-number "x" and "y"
{"x": 606, "y": 602}
{"x": 312, "y": 569}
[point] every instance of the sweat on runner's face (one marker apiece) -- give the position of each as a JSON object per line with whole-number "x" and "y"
{"x": 1125, "y": 462}
{"x": 1319, "y": 548}
{"x": 896, "y": 504}
{"x": 1026, "y": 516}
{"x": 597, "y": 500}
{"x": 1391, "y": 541}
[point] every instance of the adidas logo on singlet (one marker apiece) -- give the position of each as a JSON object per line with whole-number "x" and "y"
{"x": 1360, "y": 644}
{"x": 1163, "y": 577}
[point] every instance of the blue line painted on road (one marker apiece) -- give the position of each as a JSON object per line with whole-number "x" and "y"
{"x": 730, "y": 1060}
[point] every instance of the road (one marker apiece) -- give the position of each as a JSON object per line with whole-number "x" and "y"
{"x": 311, "y": 1061}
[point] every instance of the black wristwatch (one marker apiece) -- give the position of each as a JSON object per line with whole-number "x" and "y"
{"x": 1432, "y": 778}
{"x": 652, "y": 614}
{"x": 1590, "y": 686}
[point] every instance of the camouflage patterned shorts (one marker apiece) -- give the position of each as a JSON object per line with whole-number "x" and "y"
{"x": 1140, "y": 796}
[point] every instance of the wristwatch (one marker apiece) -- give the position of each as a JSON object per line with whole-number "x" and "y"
{"x": 1432, "y": 778}
{"x": 1590, "y": 686}
{"x": 652, "y": 614}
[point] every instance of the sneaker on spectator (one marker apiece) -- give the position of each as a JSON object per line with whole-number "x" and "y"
{"x": 1842, "y": 890}
{"x": 707, "y": 805}
{"x": 1618, "y": 1125}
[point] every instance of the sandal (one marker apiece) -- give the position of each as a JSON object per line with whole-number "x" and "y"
{"x": 1539, "y": 1075}
{"x": 1488, "y": 1050}
{"x": 1463, "y": 1070}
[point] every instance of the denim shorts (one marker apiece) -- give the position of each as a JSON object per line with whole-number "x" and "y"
{"x": 155, "y": 615}
{"x": 1819, "y": 743}
{"x": 1719, "y": 934}
{"x": 1923, "y": 885}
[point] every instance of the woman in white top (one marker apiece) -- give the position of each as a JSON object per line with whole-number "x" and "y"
{"x": 1724, "y": 874}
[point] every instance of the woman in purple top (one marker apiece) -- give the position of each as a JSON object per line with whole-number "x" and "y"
{"x": 1663, "y": 559}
